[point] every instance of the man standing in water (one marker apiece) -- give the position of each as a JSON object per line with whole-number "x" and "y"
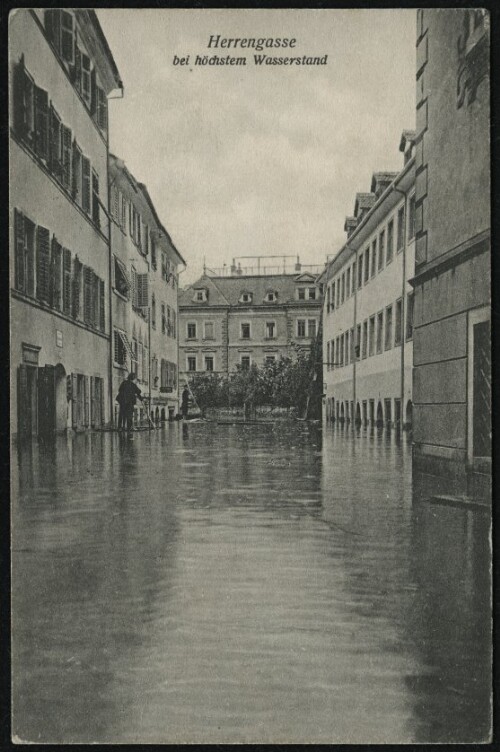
{"x": 127, "y": 395}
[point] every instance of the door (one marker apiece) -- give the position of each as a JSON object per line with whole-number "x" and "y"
{"x": 27, "y": 400}
{"x": 481, "y": 390}
{"x": 46, "y": 400}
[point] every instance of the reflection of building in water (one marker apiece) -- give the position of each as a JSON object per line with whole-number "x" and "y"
{"x": 452, "y": 377}
{"x": 61, "y": 73}
{"x": 368, "y": 304}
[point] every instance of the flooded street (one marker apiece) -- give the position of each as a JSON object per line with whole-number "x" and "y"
{"x": 260, "y": 583}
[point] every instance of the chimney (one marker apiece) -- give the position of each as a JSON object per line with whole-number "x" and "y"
{"x": 298, "y": 265}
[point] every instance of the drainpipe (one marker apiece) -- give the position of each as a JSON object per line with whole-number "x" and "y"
{"x": 353, "y": 348}
{"x": 110, "y": 296}
{"x": 403, "y": 305}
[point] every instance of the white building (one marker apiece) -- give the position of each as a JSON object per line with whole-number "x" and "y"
{"x": 368, "y": 305}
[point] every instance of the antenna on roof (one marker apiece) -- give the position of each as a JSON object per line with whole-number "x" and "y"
{"x": 204, "y": 264}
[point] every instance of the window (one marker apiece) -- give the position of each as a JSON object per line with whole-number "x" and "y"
{"x": 360, "y": 271}
{"x": 153, "y": 311}
{"x": 348, "y": 282}
{"x": 245, "y": 331}
{"x": 380, "y": 329}
{"x": 163, "y": 319}
{"x": 371, "y": 340}
{"x": 124, "y": 220}
{"x": 346, "y": 348}
{"x": 388, "y": 327}
{"x": 328, "y": 298}
{"x": 42, "y": 263}
{"x": 409, "y": 315}
{"x": 101, "y": 109}
{"x": 85, "y": 185}
{"x": 398, "y": 330}
{"x": 59, "y": 26}
{"x": 311, "y": 326}
{"x": 365, "y": 339}
{"x": 55, "y": 151}
{"x": 401, "y": 229}
{"x": 270, "y": 330}
{"x": 209, "y": 362}
{"x": 351, "y": 341}
{"x": 209, "y": 330}
{"x": 381, "y": 250}
{"x": 271, "y": 296}
{"x": 301, "y": 293}
{"x": 200, "y": 296}
{"x": 358, "y": 341}
{"x": 269, "y": 360}
{"x": 301, "y": 328}
{"x": 174, "y": 323}
{"x": 312, "y": 293}
{"x": 342, "y": 288}
{"x": 337, "y": 352}
{"x": 66, "y": 282}
{"x": 411, "y": 218}
{"x": 245, "y": 362}
{"x": 41, "y": 123}
{"x": 121, "y": 348}
{"x": 333, "y": 296}
{"x": 367, "y": 264}
{"x": 24, "y": 253}
{"x": 341, "y": 349}
{"x": 328, "y": 356}
{"x": 338, "y": 292}
{"x": 390, "y": 242}
{"x": 374, "y": 258}
{"x": 95, "y": 198}
{"x": 246, "y": 297}
{"x": 191, "y": 363}
{"x": 55, "y": 277}
{"x": 191, "y": 330}
{"x": 353, "y": 277}
{"x": 85, "y": 80}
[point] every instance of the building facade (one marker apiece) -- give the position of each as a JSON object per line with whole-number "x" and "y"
{"x": 368, "y": 305}
{"x": 244, "y": 319}
{"x": 61, "y": 73}
{"x": 144, "y": 308}
{"x": 452, "y": 351}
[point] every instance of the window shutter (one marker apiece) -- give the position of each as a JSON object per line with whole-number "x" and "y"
{"x": 55, "y": 164}
{"x": 29, "y": 256}
{"x": 66, "y": 297}
{"x": 53, "y": 27}
{"x": 142, "y": 290}
{"x": 102, "y": 109}
{"x": 86, "y": 185}
{"x": 93, "y": 93}
{"x": 86, "y": 399}
{"x": 102, "y": 307}
{"x": 66, "y": 157}
{"x": 87, "y": 294}
{"x": 95, "y": 198}
{"x": 41, "y": 99}
{"x": 133, "y": 288}
{"x": 86, "y": 78}
{"x": 74, "y": 400}
{"x": 76, "y": 172}
{"x": 23, "y": 101}
{"x": 55, "y": 275}
{"x": 42, "y": 263}
{"x": 19, "y": 249}
{"x": 76, "y": 70}
{"x": 67, "y": 37}
{"x": 92, "y": 401}
{"x": 77, "y": 286}
{"x": 116, "y": 204}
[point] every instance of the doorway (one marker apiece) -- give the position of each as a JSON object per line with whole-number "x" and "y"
{"x": 27, "y": 400}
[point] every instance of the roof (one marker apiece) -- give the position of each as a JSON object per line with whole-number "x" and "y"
{"x": 227, "y": 290}
{"x": 407, "y": 137}
{"x": 105, "y": 45}
{"x": 382, "y": 178}
{"x": 364, "y": 201}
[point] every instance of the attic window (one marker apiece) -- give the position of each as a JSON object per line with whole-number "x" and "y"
{"x": 246, "y": 297}
{"x": 271, "y": 296}
{"x": 200, "y": 296}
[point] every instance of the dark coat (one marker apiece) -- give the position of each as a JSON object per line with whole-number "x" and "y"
{"x": 127, "y": 393}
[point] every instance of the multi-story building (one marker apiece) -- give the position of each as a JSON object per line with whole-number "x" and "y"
{"x": 61, "y": 73}
{"x": 144, "y": 280}
{"x": 452, "y": 355}
{"x": 368, "y": 304}
{"x": 248, "y": 316}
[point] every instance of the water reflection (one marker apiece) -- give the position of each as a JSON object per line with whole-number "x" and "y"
{"x": 259, "y": 583}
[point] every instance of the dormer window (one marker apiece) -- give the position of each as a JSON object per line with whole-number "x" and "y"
{"x": 200, "y": 296}
{"x": 271, "y": 296}
{"x": 246, "y": 297}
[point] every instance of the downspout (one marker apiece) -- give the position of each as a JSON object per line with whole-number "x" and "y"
{"x": 403, "y": 306}
{"x": 353, "y": 348}
{"x": 110, "y": 295}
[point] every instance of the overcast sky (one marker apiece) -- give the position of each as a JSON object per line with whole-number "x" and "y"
{"x": 260, "y": 160}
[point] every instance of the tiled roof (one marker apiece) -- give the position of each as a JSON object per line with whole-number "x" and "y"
{"x": 228, "y": 290}
{"x": 364, "y": 201}
{"x": 382, "y": 178}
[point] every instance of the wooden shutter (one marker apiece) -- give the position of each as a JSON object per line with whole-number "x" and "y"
{"x": 142, "y": 290}
{"x": 76, "y": 173}
{"x": 19, "y": 250}
{"x": 23, "y": 101}
{"x": 93, "y": 92}
{"x": 67, "y": 37}
{"x": 133, "y": 287}
{"x": 86, "y": 401}
{"x": 55, "y": 163}
{"x": 74, "y": 400}
{"x": 23, "y": 401}
{"x": 87, "y": 294}
{"x": 76, "y": 70}
{"x": 67, "y": 157}
{"x": 92, "y": 402}
{"x": 85, "y": 185}
{"x": 53, "y": 27}
{"x": 77, "y": 286}
{"x": 95, "y": 198}
{"x": 41, "y": 99}
{"x": 29, "y": 256}
{"x": 42, "y": 263}
{"x": 102, "y": 307}
{"x": 102, "y": 109}
{"x": 66, "y": 292}
{"x": 86, "y": 78}
{"x": 55, "y": 275}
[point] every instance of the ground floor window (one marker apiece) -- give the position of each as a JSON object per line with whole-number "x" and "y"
{"x": 191, "y": 363}
{"x": 209, "y": 362}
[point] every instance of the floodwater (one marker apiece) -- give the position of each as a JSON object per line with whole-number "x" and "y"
{"x": 209, "y": 583}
